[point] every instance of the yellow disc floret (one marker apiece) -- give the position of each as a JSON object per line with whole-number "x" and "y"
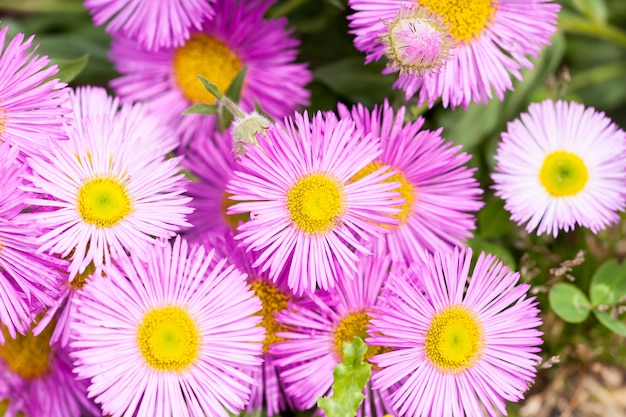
{"x": 354, "y": 324}
{"x": 27, "y": 355}
{"x": 467, "y": 19}
{"x": 103, "y": 202}
{"x": 563, "y": 174}
{"x": 455, "y": 339}
{"x": 273, "y": 301}
{"x": 168, "y": 339}
{"x": 407, "y": 190}
{"x": 208, "y": 57}
{"x": 316, "y": 203}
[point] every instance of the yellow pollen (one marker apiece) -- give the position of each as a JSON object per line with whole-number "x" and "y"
{"x": 563, "y": 174}
{"x": 273, "y": 301}
{"x": 208, "y": 57}
{"x": 232, "y": 219}
{"x": 81, "y": 279}
{"x": 455, "y": 339}
{"x": 168, "y": 339}
{"x": 103, "y": 202}
{"x": 27, "y": 355}
{"x": 467, "y": 19}
{"x": 354, "y": 324}
{"x": 406, "y": 190}
{"x": 316, "y": 203}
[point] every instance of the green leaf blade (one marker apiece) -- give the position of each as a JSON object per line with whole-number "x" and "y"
{"x": 608, "y": 284}
{"x": 615, "y": 325}
{"x": 69, "y": 69}
{"x": 569, "y": 302}
{"x": 350, "y": 378}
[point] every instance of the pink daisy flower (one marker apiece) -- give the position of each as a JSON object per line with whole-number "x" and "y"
{"x": 306, "y": 216}
{"x": 28, "y": 281}
{"x": 112, "y": 193}
{"x": 492, "y": 41}
{"x": 154, "y": 24}
{"x": 36, "y": 379}
{"x": 212, "y": 162}
{"x": 440, "y": 193}
{"x": 460, "y": 345}
{"x": 93, "y": 102}
{"x": 316, "y": 328}
{"x": 268, "y": 392}
{"x": 30, "y": 112}
{"x": 187, "y": 331}
{"x": 562, "y": 164}
{"x": 238, "y": 36}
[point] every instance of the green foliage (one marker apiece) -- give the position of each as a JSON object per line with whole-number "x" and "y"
{"x": 69, "y": 69}
{"x": 608, "y": 284}
{"x": 569, "y": 302}
{"x": 350, "y": 378}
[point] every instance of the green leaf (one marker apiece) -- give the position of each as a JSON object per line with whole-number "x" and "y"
{"x": 350, "y": 378}
{"x": 613, "y": 324}
{"x": 210, "y": 87}
{"x": 501, "y": 252}
{"x": 493, "y": 219}
{"x": 608, "y": 284}
{"x": 569, "y": 302}
{"x": 201, "y": 108}
{"x": 42, "y": 6}
{"x": 69, "y": 68}
{"x": 234, "y": 89}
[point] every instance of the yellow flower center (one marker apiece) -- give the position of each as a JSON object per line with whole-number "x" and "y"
{"x": 232, "y": 219}
{"x": 467, "y": 19}
{"x": 455, "y": 339}
{"x": 208, "y": 57}
{"x": 406, "y": 190}
{"x": 354, "y": 324}
{"x": 168, "y": 339}
{"x": 273, "y": 301}
{"x": 316, "y": 202}
{"x": 563, "y": 174}
{"x": 103, "y": 202}
{"x": 81, "y": 279}
{"x": 27, "y": 355}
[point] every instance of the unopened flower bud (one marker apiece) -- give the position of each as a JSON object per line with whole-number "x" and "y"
{"x": 245, "y": 129}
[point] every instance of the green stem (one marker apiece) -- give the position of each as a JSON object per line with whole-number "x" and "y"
{"x": 285, "y": 8}
{"x": 580, "y": 26}
{"x": 597, "y": 75}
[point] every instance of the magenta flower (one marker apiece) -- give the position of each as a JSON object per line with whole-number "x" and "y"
{"x": 93, "y": 102}
{"x": 212, "y": 162}
{"x": 187, "y": 333}
{"x": 155, "y": 24}
{"x": 238, "y": 36}
{"x": 306, "y": 216}
{"x": 316, "y": 328}
{"x": 492, "y": 42}
{"x": 440, "y": 193}
{"x": 112, "y": 193}
{"x": 30, "y": 106}
{"x": 459, "y": 346}
{"x": 562, "y": 164}
{"x": 28, "y": 281}
{"x": 36, "y": 379}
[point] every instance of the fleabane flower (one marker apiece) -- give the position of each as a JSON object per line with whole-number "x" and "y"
{"x": 37, "y": 379}
{"x": 184, "y": 343}
{"x": 490, "y": 41}
{"x": 317, "y": 326}
{"x": 29, "y": 281}
{"x": 154, "y": 24}
{"x": 560, "y": 165}
{"x": 211, "y": 161}
{"x": 111, "y": 194}
{"x": 31, "y": 104}
{"x": 238, "y": 36}
{"x": 93, "y": 102}
{"x": 306, "y": 215}
{"x": 416, "y": 42}
{"x": 460, "y": 344}
{"x": 439, "y": 191}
